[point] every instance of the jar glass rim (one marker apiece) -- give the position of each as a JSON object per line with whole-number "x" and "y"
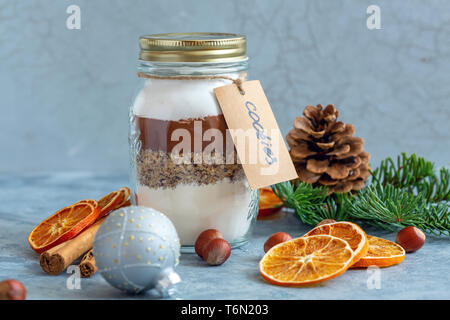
{"x": 192, "y": 68}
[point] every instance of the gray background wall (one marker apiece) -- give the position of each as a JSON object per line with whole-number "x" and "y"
{"x": 64, "y": 94}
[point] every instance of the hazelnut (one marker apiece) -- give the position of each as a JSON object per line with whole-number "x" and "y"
{"x": 410, "y": 238}
{"x": 217, "y": 252}
{"x": 12, "y": 290}
{"x": 275, "y": 239}
{"x": 204, "y": 238}
{"x": 325, "y": 221}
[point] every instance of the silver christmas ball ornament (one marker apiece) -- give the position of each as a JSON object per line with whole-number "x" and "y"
{"x": 136, "y": 249}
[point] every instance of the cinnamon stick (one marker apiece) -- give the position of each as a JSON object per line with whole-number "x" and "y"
{"x": 57, "y": 259}
{"x": 87, "y": 265}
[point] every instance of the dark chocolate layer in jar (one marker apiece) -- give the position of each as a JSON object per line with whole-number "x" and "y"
{"x": 162, "y": 134}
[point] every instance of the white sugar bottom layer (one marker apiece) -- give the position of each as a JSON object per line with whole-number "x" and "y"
{"x": 194, "y": 208}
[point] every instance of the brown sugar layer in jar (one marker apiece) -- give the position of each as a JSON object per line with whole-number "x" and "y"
{"x": 157, "y": 168}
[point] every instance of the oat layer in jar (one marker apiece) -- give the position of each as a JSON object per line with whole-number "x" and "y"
{"x": 181, "y": 160}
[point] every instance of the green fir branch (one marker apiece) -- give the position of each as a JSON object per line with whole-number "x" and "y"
{"x": 435, "y": 189}
{"x": 311, "y": 204}
{"x": 391, "y": 208}
{"x": 404, "y": 173}
{"x": 407, "y": 192}
{"x": 300, "y": 195}
{"x": 416, "y": 175}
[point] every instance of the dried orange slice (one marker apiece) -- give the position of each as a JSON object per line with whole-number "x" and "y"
{"x": 108, "y": 202}
{"x": 381, "y": 253}
{"x": 125, "y": 195}
{"x": 63, "y": 225}
{"x": 350, "y": 232}
{"x": 268, "y": 202}
{"x": 126, "y": 203}
{"x": 113, "y": 200}
{"x": 306, "y": 260}
{"x": 91, "y": 201}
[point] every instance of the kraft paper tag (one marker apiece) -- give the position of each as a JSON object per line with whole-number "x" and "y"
{"x": 256, "y": 135}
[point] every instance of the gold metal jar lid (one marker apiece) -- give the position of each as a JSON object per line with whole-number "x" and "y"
{"x": 193, "y": 47}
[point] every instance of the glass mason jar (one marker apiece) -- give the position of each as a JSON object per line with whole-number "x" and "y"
{"x": 174, "y": 120}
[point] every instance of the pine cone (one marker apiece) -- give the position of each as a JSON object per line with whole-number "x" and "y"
{"x": 325, "y": 152}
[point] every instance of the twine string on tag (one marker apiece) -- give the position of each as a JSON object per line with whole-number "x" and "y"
{"x": 238, "y": 82}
